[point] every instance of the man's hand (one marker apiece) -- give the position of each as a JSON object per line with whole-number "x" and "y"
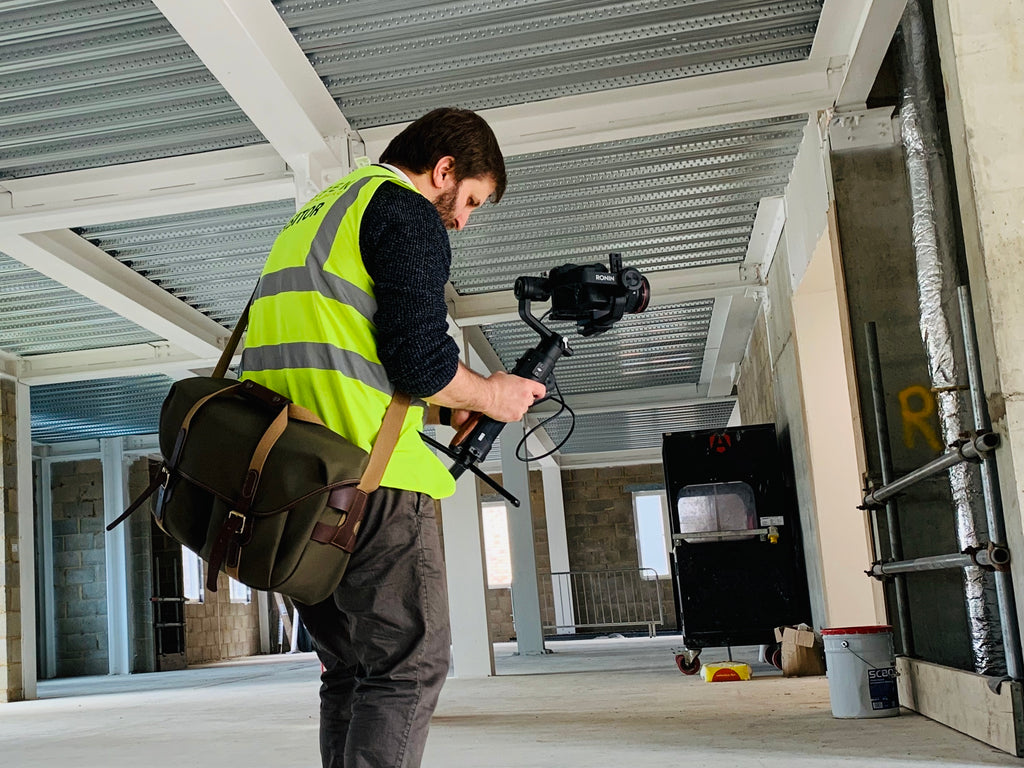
{"x": 511, "y": 396}
{"x": 501, "y": 395}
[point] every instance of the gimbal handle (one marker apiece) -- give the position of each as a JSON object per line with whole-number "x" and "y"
{"x": 536, "y": 364}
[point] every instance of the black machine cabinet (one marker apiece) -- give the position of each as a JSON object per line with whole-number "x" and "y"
{"x": 738, "y": 557}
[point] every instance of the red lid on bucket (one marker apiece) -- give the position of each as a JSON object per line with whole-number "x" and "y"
{"x": 857, "y": 630}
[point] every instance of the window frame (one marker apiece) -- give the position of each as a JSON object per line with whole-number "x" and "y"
{"x": 665, "y": 532}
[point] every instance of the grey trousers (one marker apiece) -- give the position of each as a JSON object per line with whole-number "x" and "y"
{"x": 384, "y": 638}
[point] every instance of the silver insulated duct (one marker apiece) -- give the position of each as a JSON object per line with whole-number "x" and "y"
{"x": 937, "y": 278}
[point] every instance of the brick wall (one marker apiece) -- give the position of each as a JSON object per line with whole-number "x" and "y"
{"x": 600, "y": 524}
{"x": 218, "y": 629}
{"x": 79, "y": 565}
{"x": 10, "y": 580}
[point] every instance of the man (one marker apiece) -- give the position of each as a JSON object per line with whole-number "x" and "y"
{"x": 351, "y": 307}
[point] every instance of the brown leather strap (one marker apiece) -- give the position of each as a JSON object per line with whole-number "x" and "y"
{"x": 236, "y": 336}
{"x": 299, "y": 413}
{"x": 155, "y": 483}
{"x": 384, "y": 445}
{"x": 233, "y": 533}
{"x": 351, "y": 502}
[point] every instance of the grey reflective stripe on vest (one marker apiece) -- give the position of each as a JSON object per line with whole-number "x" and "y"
{"x": 312, "y": 277}
{"x": 322, "y": 357}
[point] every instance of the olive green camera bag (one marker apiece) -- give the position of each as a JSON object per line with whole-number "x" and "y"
{"x": 259, "y": 487}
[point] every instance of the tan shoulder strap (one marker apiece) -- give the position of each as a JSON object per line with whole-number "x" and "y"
{"x": 384, "y": 446}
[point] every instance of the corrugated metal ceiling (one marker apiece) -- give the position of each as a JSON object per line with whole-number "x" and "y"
{"x": 39, "y": 315}
{"x": 681, "y": 199}
{"x": 95, "y": 409}
{"x": 89, "y": 83}
{"x": 390, "y": 61}
{"x": 210, "y": 260}
{"x": 661, "y": 346}
{"x": 635, "y": 428}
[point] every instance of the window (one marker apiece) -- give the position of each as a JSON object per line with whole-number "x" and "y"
{"x": 238, "y": 592}
{"x": 191, "y": 575}
{"x": 649, "y": 510}
{"x": 496, "y": 547}
{"x": 726, "y": 509}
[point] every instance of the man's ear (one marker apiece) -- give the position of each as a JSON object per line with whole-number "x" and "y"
{"x": 444, "y": 171}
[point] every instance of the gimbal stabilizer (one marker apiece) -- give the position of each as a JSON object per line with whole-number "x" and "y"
{"x": 595, "y": 298}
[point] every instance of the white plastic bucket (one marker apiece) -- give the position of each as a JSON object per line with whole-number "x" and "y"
{"x": 861, "y": 671}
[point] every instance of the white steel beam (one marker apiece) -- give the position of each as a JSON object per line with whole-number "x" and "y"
{"x": 129, "y": 360}
{"x": 644, "y": 110}
{"x": 24, "y": 508}
{"x": 247, "y": 46}
{"x": 138, "y": 190}
{"x": 711, "y": 373}
{"x": 72, "y": 261}
{"x": 664, "y": 396}
{"x": 610, "y": 458}
{"x": 874, "y": 31}
{"x": 667, "y": 287}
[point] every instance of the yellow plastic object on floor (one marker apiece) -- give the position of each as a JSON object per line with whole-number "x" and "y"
{"x": 725, "y": 671}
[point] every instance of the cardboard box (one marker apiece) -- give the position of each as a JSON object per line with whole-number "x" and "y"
{"x": 802, "y": 652}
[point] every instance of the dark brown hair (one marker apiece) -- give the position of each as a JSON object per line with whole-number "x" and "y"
{"x": 447, "y": 131}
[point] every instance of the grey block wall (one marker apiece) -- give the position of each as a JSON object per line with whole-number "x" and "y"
{"x": 79, "y": 568}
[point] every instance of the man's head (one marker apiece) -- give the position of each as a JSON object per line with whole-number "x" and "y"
{"x": 453, "y": 158}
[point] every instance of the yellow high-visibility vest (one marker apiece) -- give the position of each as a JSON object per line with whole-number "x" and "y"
{"x": 311, "y": 335}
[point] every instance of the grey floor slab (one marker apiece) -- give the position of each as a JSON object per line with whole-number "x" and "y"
{"x": 590, "y": 703}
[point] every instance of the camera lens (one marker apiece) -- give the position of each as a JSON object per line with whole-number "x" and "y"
{"x": 639, "y": 290}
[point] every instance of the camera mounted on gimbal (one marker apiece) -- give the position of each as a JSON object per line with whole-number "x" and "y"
{"x": 593, "y": 296}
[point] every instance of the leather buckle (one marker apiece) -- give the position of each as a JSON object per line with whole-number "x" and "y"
{"x": 241, "y": 528}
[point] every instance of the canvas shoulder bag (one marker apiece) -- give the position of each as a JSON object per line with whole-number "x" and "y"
{"x": 258, "y": 486}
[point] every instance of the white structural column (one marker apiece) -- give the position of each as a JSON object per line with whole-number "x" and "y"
{"x": 26, "y": 540}
{"x": 115, "y": 495}
{"x": 558, "y": 548}
{"x": 45, "y": 570}
{"x": 525, "y": 595}
{"x": 472, "y": 655}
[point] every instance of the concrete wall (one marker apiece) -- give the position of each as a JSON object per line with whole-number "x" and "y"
{"x": 79, "y": 578}
{"x": 11, "y": 685}
{"x": 768, "y": 391}
{"x": 874, "y": 220}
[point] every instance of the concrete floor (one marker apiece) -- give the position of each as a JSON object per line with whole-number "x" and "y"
{"x": 605, "y": 702}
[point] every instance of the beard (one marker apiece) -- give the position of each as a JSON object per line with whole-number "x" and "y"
{"x": 445, "y": 205}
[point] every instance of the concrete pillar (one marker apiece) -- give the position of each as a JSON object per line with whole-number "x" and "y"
{"x": 472, "y": 654}
{"x": 558, "y": 548}
{"x": 115, "y": 499}
{"x": 979, "y": 48}
{"x": 525, "y": 594}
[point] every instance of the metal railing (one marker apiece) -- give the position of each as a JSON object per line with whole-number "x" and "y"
{"x": 572, "y": 600}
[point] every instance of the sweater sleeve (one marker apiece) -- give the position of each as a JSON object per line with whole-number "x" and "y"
{"x": 406, "y": 252}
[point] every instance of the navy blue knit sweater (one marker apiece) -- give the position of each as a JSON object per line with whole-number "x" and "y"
{"x": 406, "y": 251}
